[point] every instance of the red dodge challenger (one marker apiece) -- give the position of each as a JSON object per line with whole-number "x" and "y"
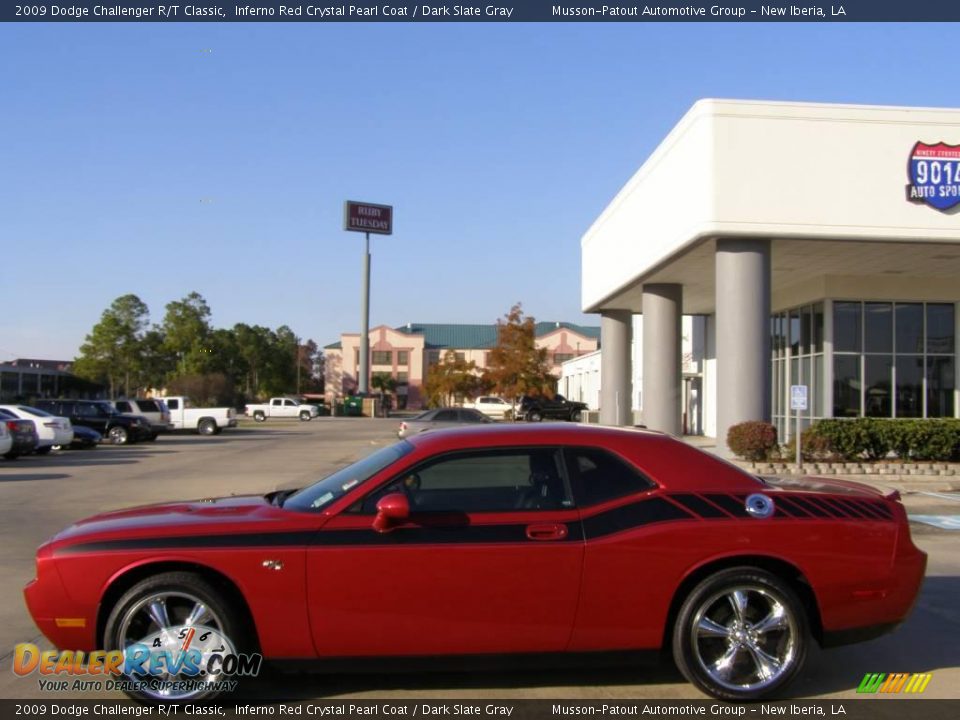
{"x": 504, "y": 540}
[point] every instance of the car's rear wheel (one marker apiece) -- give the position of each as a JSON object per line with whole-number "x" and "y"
{"x": 207, "y": 426}
{"x": 304, "y": 416}
{"x": 118, "y": 435}
{"x": 11, "y": 455}
{"x": 534, "y": 416}
{"x": 154, "y": 613}
{"x": 43, "y": 450}
{"x": 259, "y": 416}
{"x": 741, "y": 634}
{"x": 575, "y": 416}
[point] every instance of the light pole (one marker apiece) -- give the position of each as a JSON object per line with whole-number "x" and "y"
{"x": 364, "y": 371}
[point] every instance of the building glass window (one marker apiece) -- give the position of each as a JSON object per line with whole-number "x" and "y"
{"x": 561, "y": 357}
{"x": 907, "y": 360}
{"x": 382, "y": 357}
{"x": 403, "y": 377}
{"x": 797, "y": 359}
{"x": 846, "y": 327}
{"x": 403, "y": 357}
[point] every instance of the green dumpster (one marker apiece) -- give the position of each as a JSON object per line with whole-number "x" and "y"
{"x": 353, "y": 406}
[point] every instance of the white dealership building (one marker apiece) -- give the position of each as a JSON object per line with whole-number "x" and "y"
{"x": 820, "y": 246}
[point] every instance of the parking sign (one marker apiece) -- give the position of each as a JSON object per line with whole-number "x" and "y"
{"x": 798, "y": 397}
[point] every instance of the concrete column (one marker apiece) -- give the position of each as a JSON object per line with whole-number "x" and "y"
{"x": 662, "y": 315}
{"x": 743, "y": 333}
{"x": 615, "y": 376}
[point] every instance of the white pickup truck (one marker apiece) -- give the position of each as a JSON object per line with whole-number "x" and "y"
{"x": 282, "y": 407}
{"x": 206, "y": 421}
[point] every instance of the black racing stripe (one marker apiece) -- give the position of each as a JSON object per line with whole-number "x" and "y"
{"x": 735, "y": 507}
{"x": 875, "y": 511}
{"x": 238, "y": 540}
{"x": 810, "y": 508}
{"x": 628, "y": 517}
{"x": 440, "y": 535}
{"x": 698, "y": 506}
{"x": 788, "y": 503}
{"x": 830, "y": 510}
{"x": 851, "y": 508}
{"x": 836, "y": 508}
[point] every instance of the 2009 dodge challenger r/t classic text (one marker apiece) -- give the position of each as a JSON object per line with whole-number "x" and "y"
{"x": 499, "y": 540}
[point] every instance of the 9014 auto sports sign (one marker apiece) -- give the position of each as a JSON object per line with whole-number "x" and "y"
{"x": 934, "y": 172}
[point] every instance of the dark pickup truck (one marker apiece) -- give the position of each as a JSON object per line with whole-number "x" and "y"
{"x": 558, "y": 407}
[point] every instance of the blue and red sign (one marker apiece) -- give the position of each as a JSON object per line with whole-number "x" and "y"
{"x": 935, "y": 175}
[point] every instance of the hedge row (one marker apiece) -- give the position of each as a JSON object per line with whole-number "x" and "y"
{"x": 936, "y": 439}
{"x": 878, "y": 438}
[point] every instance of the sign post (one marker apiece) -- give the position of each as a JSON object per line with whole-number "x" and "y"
{"x": 798, "y": 402}
{"x": 366, "y": 218}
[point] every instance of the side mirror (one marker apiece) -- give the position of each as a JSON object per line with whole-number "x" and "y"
{"x": 392, "y": 509}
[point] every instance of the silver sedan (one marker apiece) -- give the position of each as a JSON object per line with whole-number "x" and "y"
{"x": 441, "y": 418}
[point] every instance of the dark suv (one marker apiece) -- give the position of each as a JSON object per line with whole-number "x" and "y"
{"x": 102, "y": 417}
{"x": 558, "y": 407}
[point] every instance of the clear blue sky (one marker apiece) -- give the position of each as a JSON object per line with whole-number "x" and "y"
{"x": 162, "y": 159}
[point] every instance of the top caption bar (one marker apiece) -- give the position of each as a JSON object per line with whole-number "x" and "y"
{"x": 523, "y": 11}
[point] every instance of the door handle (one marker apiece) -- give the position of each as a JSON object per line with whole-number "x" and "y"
{"x": 547, "y": 531}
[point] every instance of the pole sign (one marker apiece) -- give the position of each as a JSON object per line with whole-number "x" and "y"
{"x": 798, "y": 397}
{"x": 368, "y": 217}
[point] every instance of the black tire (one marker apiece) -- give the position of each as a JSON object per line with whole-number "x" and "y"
{"x": 180, "y": 591}
{"x": 576, "y": 415}
{"x": 709, "y": 627}
{"x": 45, "y": 450}
{"x": 305, "y": 416}
{"x": 152, "y": 437}
{"x": 207, "y": 426}
{"x": 118, "y": 435}
{"x": 259, "y": 416}
{"x": 11, "y": 455}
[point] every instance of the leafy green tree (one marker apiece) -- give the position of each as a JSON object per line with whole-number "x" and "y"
{"x": 517, "y": 366}
{"x": 111, "y": 353}
{"x": 186, "y": 329}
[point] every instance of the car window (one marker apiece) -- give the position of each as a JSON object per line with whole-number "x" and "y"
{"x": 332, "y": 487}
{"x": 148, "y": 406}
{"x": 33, "y": 411}
{"x": 445, "y": 416}
{"x": 602, "y": 476}
{"x": 173, "y": 404}
{"x": 123, "y": 406}
{"x": 482, "y": 481}
{"x": 289, "y": 403}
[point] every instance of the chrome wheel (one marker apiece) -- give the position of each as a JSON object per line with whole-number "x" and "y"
{"x": 744, "y": 638}
{"x": 118, "y": 435}
{"x": 156, "y": 621}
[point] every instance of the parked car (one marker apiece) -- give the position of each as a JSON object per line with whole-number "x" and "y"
{"x": 52, "y": 430}
{"x": 282, "y": 407}
{"x": 23, "y": 434}
{"x": 535, "y": 409}
{"x": 505, "y": 539}
{"x": 491, "y": 406}
{"x": 153, "y": 409}
{"x": 101, "y": 416}
{"x": 85, "y": 438}
{"x": 6, "y": 442}
{"x": 206, "y": 421}
{"x": 441, "y": 418}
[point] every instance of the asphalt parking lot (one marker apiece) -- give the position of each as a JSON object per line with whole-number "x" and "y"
{"x": 41, "y": 495}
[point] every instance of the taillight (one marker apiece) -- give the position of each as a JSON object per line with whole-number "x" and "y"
{"x": 403, "y": 426}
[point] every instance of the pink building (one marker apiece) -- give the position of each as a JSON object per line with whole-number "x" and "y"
{"x": 407, "y": 352}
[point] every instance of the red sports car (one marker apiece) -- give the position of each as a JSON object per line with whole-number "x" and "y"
{"x": 505, "y": 540}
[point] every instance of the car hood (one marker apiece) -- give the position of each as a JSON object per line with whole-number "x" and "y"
{"x": 239, "y": 513}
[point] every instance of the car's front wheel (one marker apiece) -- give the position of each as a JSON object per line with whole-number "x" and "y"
{"x": 118, "y": 435}
{"x": 575, "y": 416}
{"x": 741, "y": 634}
{"x": 304, "y": 416}
{"x": 534, "y": 416}
{"x": 160, "y": 611}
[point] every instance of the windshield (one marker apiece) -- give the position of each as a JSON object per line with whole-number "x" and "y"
{"x": 332, "y": 487}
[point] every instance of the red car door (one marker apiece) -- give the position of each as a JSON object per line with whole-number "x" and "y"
{"x": 488, "y": 561}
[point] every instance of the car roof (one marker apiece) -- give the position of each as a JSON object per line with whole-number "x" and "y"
{"x": 561, "y": 433}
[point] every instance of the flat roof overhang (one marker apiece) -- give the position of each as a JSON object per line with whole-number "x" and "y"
{"x": 826, "y": 183}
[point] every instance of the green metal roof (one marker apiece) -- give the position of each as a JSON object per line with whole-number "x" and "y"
{"x": 474, "y": 337}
